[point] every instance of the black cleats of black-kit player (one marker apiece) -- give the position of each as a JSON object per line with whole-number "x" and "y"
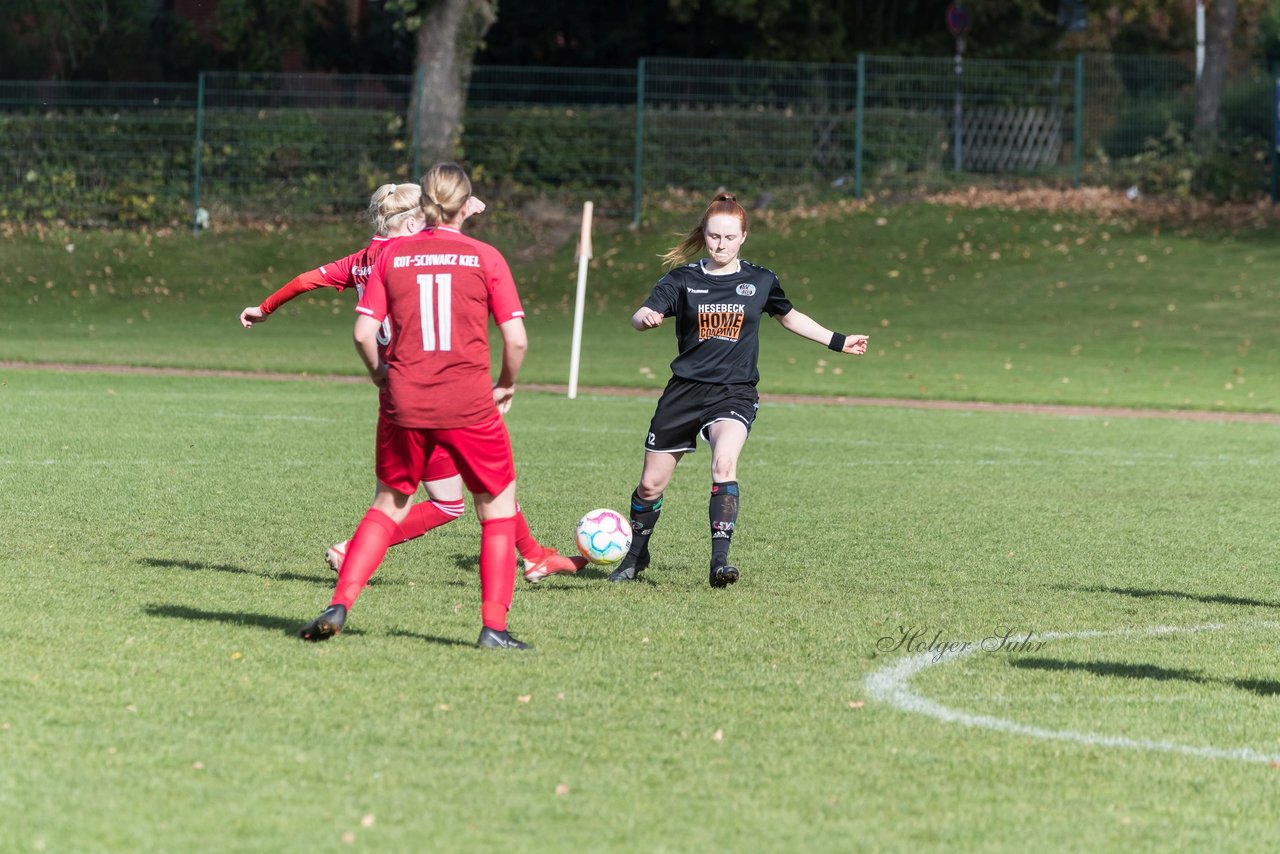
{"x": 494, "y": 639}
{"x": 325, "y": 626}
{"x": 626, "y": 571}
{"x": 629, "y": 570}
{"x": 722, "y": 575}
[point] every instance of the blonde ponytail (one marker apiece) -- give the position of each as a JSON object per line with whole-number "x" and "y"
{"x": 390, "y": 204}
{"x": 445, "y": 190}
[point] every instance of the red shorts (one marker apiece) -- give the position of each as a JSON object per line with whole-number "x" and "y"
{"x": 481, "y": 453}
{"x": 439, "y": 466}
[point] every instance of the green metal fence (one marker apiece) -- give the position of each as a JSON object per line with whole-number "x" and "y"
{"x": 299, "y": 144}
{"x": 275, "y": 146}
{"x": 96, "y": 153}
{"x": 565, "y": 129}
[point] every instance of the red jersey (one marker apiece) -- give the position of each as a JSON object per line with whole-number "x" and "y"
{"x": 352, "y": 270}
{"x": 439, "y": 288}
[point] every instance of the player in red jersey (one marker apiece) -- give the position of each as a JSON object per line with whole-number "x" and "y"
{"x": 395, "y": 210}
{"x": 439, "y": 288}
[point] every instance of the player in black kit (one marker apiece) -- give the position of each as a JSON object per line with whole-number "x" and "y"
{"x": 717, "y": 303}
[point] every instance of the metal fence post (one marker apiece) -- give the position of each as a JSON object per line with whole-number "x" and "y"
{"x": 639, "y": 160}
{"x": 1275, "y": 133}
{"x": 195, "y": 188}
{"x": 957, "y": 110}
{"x": 1077, "y": 134}
{"x": 859, "y": 101}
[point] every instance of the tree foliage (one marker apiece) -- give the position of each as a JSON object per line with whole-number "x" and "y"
{"x": 141, "y": 40}
{"x": 812, "y": 28}
{"x": 378, "y": 44}
{"x": 589, "y": 33}
{"x": 258, "y": 33}
{"x": 91, "y": 40}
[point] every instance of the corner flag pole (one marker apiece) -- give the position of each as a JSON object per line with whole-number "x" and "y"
{"x": 584, "y": 256}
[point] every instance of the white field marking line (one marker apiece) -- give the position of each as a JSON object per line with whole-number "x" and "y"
{"x": 891, "y": 685}
{"x": 241, "y": 416}
{"x": 853, "y": 464}
{"x": 1074, "y": 462}
{"x": 72, "y": 461}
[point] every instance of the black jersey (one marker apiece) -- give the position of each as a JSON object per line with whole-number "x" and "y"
{"x": 718, "y": 320}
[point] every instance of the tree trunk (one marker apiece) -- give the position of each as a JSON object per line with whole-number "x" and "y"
{"x": 448, "y": 37}
{"x": 1213, "y": 77}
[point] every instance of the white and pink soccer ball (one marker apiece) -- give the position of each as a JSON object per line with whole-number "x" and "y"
{"x": 603, "y": 536}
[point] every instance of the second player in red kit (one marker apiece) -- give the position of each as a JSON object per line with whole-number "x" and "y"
{"x": 439, "y": 288}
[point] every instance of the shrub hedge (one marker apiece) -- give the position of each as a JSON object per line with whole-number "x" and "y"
{"x": 126, "y": 167}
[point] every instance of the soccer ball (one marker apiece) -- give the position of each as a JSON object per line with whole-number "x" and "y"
{"x": 603, "y": 536}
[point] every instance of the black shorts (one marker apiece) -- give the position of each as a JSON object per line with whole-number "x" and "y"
{"x": 687, "y": 408}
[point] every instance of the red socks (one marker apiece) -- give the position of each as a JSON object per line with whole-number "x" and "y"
{"x": 529, "y": 548}
{"x": 426, "y": 515}
{"x": 497, "y": 569}
{"x": 375, "y": 533}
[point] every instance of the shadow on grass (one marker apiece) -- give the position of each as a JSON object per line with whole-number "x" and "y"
{"x": 598, "y": 573}
{"x": 201, "y": 566}
{"x": 1113, "y": 669}
{"x": 468, "y": 562}
{"x": 326, "y": 579}
{"x": 1143, "y": 593}
{"x": 469, "y": 566}
{"x": 588, "y": 573}
{"x": 401, "y": 633}
{"x": 288, "y": 626}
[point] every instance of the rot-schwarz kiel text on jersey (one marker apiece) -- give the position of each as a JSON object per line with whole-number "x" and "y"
{"x": 439, "y": 287}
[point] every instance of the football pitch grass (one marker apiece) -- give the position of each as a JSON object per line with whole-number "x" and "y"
{"x": 955, "y": 630}
{"x": 163, "y": 545}
{"x": 960, "y": 304}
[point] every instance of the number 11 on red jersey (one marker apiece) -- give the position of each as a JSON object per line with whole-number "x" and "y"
{"x": 435, "y": 307}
